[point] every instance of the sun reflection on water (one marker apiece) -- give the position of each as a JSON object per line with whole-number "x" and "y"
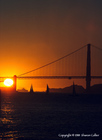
{"x": 7, "y": 120}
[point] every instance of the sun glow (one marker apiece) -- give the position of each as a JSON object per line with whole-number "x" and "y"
{"x": 8, "y": 82}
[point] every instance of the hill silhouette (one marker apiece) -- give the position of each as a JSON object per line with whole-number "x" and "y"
{"x": 22, "y": 90}
{"x": 96, "y": 88}
{"x": 78, "y": 88}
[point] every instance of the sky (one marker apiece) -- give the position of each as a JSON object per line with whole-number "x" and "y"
{"x": 36, "y": 32}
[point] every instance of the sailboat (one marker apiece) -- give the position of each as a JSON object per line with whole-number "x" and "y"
{"x": 74, "y": 92}
{"x": 47, "y": 90}
{"x": 31, "y": 89}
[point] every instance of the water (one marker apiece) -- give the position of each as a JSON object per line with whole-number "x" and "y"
{"x": 42, "y": 117}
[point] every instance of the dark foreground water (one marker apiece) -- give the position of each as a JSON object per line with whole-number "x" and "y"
{"x": 53, "y": 116}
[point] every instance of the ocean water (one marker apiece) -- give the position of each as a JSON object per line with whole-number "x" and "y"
{"x": 54, "y": 116}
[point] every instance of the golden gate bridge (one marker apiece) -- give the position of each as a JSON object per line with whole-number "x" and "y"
{"x": 61, "y": 68}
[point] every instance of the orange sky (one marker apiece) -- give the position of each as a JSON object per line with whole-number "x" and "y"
{"x": 34, "y": 33}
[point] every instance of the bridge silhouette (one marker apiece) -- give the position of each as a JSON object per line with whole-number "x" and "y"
{"x": 63, "y": 67}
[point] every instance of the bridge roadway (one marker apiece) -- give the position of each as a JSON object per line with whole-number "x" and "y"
{"x": 53, "y": 77}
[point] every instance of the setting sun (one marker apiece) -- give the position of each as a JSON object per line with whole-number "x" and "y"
{"x": 8, "y": 82}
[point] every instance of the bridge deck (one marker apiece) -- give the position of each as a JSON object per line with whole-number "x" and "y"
{"x": 54, "y": 77}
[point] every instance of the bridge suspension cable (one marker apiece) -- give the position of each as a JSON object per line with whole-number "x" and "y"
{"x": 96, "y": 47}
{"x": 52, "y": 62}
{"x": 96, "y": 58}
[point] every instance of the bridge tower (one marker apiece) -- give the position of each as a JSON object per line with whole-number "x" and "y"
{"x": 15, "y": 82}
{"x": 88, "y": 68}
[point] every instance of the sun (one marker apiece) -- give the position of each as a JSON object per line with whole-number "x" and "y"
{"x": 8, "y": 82}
